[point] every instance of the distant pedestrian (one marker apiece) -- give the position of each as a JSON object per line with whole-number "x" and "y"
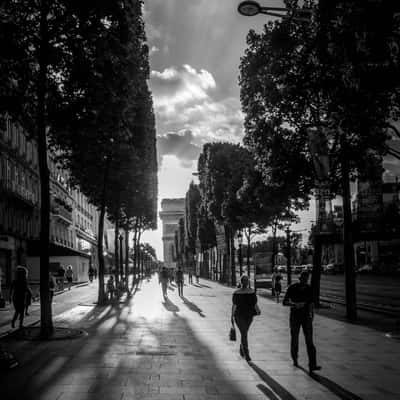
{"x": 277, "y": 284}
{"x": 244, "y": 307}
{"x": 110, "y": 291}
{"x": 180, "y": 281}
{"x": 52, "y": 286}
{"x": 91, "y": 274}
{"x": 18, "y": 295}
{"x": 95, "y": 273}
{"x": 163, "y": 279}
{"x": 198, "y": 274}
{"x": 190, "y": 276}
{"x": 61, "y": 277}
{"x": 70, "y": 276}
{"x": 300, "y": 300}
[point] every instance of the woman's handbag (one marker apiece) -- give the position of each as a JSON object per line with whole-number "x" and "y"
{"x": 232, "y": 333}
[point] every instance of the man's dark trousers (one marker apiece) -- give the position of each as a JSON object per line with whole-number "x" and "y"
{"x": 180, "y": 288}
{"x": 297, "y": 320}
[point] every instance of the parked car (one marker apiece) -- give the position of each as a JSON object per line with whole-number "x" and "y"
{"x": 328, "y": 269}
{"x": 367, "y": 268}
{"x": 297, "y": 269}
{"x": 333, "y": 268}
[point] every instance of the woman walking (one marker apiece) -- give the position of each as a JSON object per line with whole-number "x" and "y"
{"x": 244, "y": 307}
{"x": 70, "y": 275}
{"x": 163, "y": 279}
{"x": 18, "y": 295}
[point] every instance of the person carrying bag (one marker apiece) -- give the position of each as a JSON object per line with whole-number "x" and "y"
{"x": 232, "y": 332}
{"x": 244, "y": 308}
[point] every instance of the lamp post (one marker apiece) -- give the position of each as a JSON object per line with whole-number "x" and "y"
{"x": 288, "y": 257}
{"x": 240, "y": 242}
{"x": 251, "y": 8}
{"x": 104, "y": 255}
{"x": 121, "y": 260}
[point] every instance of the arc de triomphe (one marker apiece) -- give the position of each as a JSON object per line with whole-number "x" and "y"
{"x": 172, "y": 210}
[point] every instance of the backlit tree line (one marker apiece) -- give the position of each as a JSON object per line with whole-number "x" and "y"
{"x": 74, "y": 75}
{"x": 327, "y": 86}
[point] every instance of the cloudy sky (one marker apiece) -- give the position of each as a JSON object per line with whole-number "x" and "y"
{"x": 195, "y": 49}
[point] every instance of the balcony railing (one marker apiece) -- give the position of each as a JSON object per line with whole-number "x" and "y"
{"x": 18, "y": 191}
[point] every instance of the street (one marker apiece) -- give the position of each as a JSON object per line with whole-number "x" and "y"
{"x": 147, "y": 348}
{"x": 374, "y": 290}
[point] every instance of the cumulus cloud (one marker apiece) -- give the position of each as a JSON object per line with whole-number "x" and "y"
{"x": 188, "y": 112}
{"x": 181, "y": 145}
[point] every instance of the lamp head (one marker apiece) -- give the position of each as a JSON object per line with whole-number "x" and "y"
{"x": 249, "y": 8}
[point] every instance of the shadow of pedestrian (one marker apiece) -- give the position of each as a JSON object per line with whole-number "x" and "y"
{"x": 274, "y": 390}
{"x": 203, "y": 285}
{"x": 169, "y": 305}
{"x": 193, "y": 307}
{"x": 333, "y": 387}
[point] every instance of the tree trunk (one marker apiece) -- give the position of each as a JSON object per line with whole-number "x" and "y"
{"x": 274, "y": 227}
{"x": 140, "y": 255}
{"x": 121, "y": 257}
{"x": 248, "y": 253}
{"x": 227, "y": 262}
{"x": 316, "y": 271}
{"x": 126, "y": 255}
{"x": 350, "y": 276}
{"x": 101, "y": 298}
{"x": 233, "y": 263}
{"x": 116, "y": 252}
{"x": 46, "y": 321}
{"x": 288, "y": 258}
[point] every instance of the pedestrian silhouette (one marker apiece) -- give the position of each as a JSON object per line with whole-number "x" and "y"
{"x": 244, "y": 301}
{"x": 180, "y": 281}
{"x": 70, "y": 275}
{"x": 277, "y": 284}
{"x": 299, "y": 298}
{"x": 163, "y": 279}
{"x": 18, "y": 295}
{"x": 110, "y": 288}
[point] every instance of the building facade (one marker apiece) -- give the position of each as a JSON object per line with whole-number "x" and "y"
{"x": 19, "y": 197}
{"x": 73, "y": 220}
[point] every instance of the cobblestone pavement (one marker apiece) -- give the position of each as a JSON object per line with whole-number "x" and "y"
{"x": 148, "y": 348}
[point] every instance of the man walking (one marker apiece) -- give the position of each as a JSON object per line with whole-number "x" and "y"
{"x": 299, "y": 298}
{"x": 179, "y": 281}
{"x": 163, "y": 279}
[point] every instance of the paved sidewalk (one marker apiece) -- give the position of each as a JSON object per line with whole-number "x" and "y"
{"x": 179, "y": 349}
{"x": 59, "y": 304}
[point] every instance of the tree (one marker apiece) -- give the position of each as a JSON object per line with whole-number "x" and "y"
{"x": 221, "y": 169}
{"x": 35, "y": 38}
{"x": 109, "y": 124}
{"x": 298, "y": 81}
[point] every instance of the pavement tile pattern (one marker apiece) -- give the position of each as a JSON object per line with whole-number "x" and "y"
{"x": 147, "y": 348}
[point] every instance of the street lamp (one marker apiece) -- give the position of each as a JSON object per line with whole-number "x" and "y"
{"x": 240, "y": 242}
{"x": 121, "y": 260}
{"x": 251, "y": 8}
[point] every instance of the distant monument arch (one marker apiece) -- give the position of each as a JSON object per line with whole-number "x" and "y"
{"x": 172, "y": 210}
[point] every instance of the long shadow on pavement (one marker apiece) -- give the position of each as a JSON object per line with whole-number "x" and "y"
{"x": 193, "y": 307}
{"x": 333, "y": 387}
{"x": 170, "y": 306}
{"x": 146, "y": 356}
{"x": 278, "y": 392}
